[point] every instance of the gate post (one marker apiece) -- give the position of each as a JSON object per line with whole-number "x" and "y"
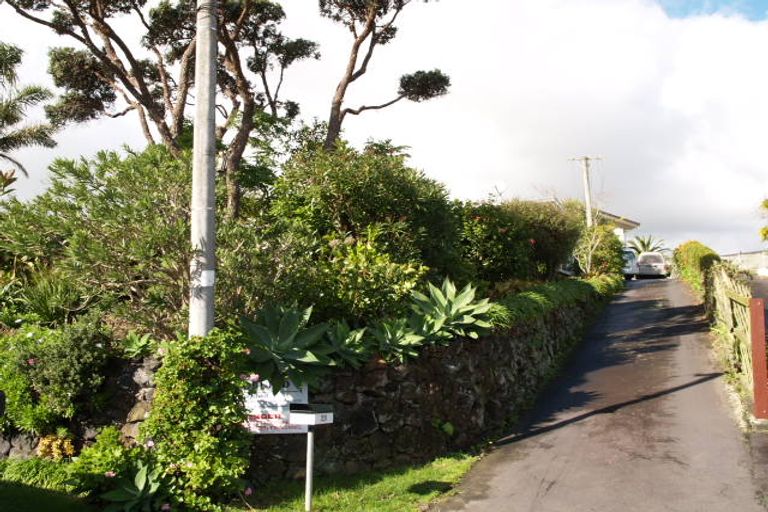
{"x": 759, "y": 359}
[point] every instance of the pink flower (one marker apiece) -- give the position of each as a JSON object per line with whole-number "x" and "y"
{"x": 248, "y": 491}
{"x": 31, "y": 361}
{"x": 149, "y": 444}
{"x": 533, "y": 242}
{"x": 254, "y": 377}
{"x": 166, "y": 506}
{"x": 110, "y": 474}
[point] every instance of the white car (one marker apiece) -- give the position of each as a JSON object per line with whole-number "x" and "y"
{"x": 630, "y": 269}
{"x": 652, "y": 264}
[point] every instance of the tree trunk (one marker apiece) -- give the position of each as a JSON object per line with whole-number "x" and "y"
{"x": 334, "y": 126}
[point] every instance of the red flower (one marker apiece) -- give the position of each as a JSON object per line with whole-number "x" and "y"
{"x": 533, "y": 242}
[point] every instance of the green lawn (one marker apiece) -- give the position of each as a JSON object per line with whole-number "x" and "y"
{"x": 18, "y": 497}
{"x": 397, "y": 490}
{"x": 388, "y": 491}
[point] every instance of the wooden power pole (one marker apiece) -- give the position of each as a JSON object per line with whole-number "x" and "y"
{"x": 586, "y": 161}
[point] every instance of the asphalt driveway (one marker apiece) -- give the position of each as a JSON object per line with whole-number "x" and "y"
{"x": 640, "y": 421}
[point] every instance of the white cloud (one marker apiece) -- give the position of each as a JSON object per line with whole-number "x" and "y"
{"x": 676, "y": 107}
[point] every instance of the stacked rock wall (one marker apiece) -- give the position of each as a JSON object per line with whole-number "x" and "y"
{"x": 450, "y": 398}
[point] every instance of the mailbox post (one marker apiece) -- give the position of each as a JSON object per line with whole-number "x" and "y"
{"x": 311, "y": 416}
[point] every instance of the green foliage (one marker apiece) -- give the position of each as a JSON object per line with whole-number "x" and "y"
{"x": 281, "y": 346}
{"x": 554, "y": 228}
{"x": 764, "y": 230}
{"x": 445, "y": 314}
{"x": 197, "y": 416}
{"x": 145, "y": 492}
{"x": 36, "y": 472}
{"x": 14, "y": 103}
{"x": 50, "y": 374}
{"x": 424, "y": 85}
{"x": 97, "y": 465}
{"x": 346, "y": 191}
{"x": 136, "y": 347}
{"x": 692, "y": 260}
{"x": 496, "y": 243}
{"x": 348, "y": 346}
{"x": 117, "y": 227}
{"x": 599, "y": 251}
{"x": 363, "y": 282}
{"x": 642, "y": 244}
{"x": 535, "y": 303}
{"x": 396, "y": 340}
{"x": 51, "y": 296}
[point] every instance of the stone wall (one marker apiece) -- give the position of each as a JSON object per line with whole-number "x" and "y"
{"x": 450, "y": 398}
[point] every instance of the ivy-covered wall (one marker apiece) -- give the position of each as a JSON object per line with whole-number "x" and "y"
{"x": 452, "y": 397}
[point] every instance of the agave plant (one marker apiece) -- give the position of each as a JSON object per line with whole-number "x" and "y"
{"x": 145, "y": 492}
{"x": 347, "y": 346}
{"x": 396, "y": 339}
{"x": 446, "y": 314}
{"x": 281, "y": 346}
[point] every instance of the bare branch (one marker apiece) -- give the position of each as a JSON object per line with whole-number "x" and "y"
{"x": 121, "y": 113}
{"x": 359, "y": 110}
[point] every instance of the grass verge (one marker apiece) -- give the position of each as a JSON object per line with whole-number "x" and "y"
{"x": 385, "y": 491}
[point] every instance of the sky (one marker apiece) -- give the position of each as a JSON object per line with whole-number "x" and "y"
{"x": 670, "y": 94}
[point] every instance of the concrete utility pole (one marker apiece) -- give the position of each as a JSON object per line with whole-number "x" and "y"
{"x": 203, "y": 214}
{"x": 587, "y": 186}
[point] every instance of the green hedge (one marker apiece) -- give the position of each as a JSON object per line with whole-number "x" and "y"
{"x": 692, "y": 260}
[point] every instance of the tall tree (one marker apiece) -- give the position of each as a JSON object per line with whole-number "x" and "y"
{"x": 642, "y": 244}
{"x": 110, "y": 75}
{"x": 372, "y": 24}
{"x": 15, "y": 100}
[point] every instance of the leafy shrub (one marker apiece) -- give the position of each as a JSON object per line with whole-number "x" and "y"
{"x": 362, "y": 282}
{"x": 599, "y": 251}
{"x": 692, "y": 260}
{"x": 496, "y": 243}
{"x": 97, "y": 465}
{"x": 345, "y": 191}
{"x": 197, "y": 416}
{"x": 48, "y": 374}
{"x": 554, "y": 228}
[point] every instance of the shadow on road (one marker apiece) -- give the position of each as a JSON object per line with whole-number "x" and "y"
{"x": 535, "y": 431}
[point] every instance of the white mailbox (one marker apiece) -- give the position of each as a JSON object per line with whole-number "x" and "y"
{"x": 311, "y": 414}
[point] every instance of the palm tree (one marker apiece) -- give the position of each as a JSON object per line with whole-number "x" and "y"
{"x": 14, "y": 102}
{"x": 646, "y": 244}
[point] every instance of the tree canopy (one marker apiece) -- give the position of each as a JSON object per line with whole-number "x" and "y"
{"x": 110, "y": 75}
{"x": 371, "y": 24}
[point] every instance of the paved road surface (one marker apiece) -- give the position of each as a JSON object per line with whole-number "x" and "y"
{"x": 639, "y": 422}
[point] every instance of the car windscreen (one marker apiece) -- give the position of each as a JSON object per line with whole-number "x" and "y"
{"x": 651, "y": 258}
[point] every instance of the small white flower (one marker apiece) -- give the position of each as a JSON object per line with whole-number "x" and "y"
{"x": 30, "y": 334}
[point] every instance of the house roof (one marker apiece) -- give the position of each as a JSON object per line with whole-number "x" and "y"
{"x": 622, "y": 222}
